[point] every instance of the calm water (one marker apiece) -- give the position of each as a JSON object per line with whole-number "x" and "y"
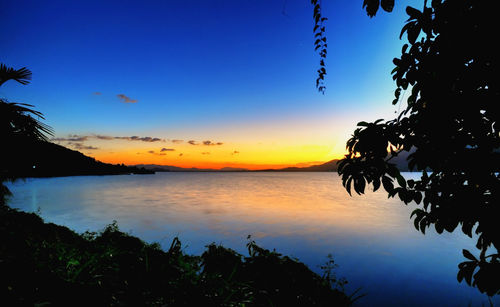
{"x": 305, "y": 215}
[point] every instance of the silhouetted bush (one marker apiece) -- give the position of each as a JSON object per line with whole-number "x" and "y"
{"x": 46, "y": 264}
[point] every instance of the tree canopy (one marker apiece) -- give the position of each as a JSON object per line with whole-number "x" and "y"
{"x": 450, "y": 126}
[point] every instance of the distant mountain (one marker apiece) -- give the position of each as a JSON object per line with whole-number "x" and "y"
{"x": 325, "y": 167}
{"x": 45, "y": 159}
{"x": 330, "y": 166}
{"x": 170, "y": 168}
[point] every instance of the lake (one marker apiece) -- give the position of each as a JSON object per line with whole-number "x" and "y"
{"x": 304, "y": 215}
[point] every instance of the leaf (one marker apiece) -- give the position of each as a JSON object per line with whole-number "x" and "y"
{"x": 22, "y": 75}
{"x": 401, "y": 181}
{"x": 371, "y": 7}
{"x": 387, "y": 183}
{"x": 387, "y": 5}
{"x": 376, "y": 184}
{"x": 359, "y": 185}
{"x": 422, "y": 225}
{"x": 468, "y": 255}
{"x": 418, "y": 197}
{"x": 403, "y": 30}
{"x": 413, "y": 33}
{"x": 439, "y": 227}
{"x": 413, "y": 12}
{"x": 348, "y": 186}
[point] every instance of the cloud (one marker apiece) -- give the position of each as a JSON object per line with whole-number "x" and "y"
{"x": 80, "y": 146}
{"x": 137, "y": 138}
{"x": 205, "y": 153}
{"x": 126, "y": 99}
{"x": 97, "y": 93}
{"x": 71, "y": 138}
{"x": 157, "y": 154}
{"x": 176, "y": 141}
{"x": 210, "y": 143}
{"x": 206, "y": 143}
{"x": 83, "y": 138}
{"x": 103, "y": 137}
{"x": 181, "y": 154}
{"x": 235, "y": 152}
{"x": 167, "y": 149}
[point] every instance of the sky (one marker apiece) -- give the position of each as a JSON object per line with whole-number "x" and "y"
{"x": 201, "y": 83}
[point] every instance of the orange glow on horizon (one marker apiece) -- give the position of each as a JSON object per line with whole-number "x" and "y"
{"x": 249, "y": 156}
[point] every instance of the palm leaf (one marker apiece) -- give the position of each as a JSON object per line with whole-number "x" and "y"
{"x": 18, "y": 120}
{"x": 22, "y": 75}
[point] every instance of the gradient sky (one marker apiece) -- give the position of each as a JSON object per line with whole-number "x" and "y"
{"x": 123, "y": 80}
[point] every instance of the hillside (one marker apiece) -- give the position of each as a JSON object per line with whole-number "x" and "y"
{"x": 45, "y": 159}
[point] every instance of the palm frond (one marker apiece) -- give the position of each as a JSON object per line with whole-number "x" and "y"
{"x": 22, "y": 75}
{"x": 16, "y": 120}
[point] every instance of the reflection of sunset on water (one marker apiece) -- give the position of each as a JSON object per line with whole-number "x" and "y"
{"x": 306, "y": 215}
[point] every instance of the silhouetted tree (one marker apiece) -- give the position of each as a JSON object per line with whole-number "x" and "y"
{"x": 451, "y": 127}
{"x": 19, "y": 127}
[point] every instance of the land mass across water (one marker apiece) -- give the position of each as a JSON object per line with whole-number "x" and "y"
{"x": 330, "y": 166}
{"x": 46, "y": 159}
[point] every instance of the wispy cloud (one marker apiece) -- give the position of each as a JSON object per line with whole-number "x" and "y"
{"x": 205, "y": 143}
{"x": 104, "y": 137}
{"x": 176, "y": 141}
{"x": 210, "y": 143}
{"x": 235, "y": 152}
{"x": 126, "y": 99}
{"x": 71, "y": 138}
{"x": 156, "y": 153}
{"x": 137, "y": 138}
{"x": 80, "y": 146}
{"x": 205, "y": 153}
{"x": 82, "y": 138}
{"x": 167, "y": 149}
{"x": 181, "y": 154}
{"x": 128, "y": 138}
{"x": 97, "y": 93}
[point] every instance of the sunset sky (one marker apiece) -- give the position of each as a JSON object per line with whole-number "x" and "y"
{"x": 201, "y": 83}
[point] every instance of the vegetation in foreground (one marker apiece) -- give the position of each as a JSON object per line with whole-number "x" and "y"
{"x": 45, "y": 264}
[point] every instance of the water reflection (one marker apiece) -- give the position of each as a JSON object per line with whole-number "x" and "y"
{"x": 307, "y": 215}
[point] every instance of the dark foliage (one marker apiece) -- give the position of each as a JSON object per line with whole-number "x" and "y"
{"x": 450, "y": 126}
{"x": 320, "y": 44}
{"x": 319, "y": 31}
{"x": 372, "y": 6}
{"x": 46, "y": 264}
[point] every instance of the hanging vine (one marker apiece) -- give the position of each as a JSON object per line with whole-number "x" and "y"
{"x": 320, "y": 44}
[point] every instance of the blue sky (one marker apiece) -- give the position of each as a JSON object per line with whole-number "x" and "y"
{"x": 235, "y": 71}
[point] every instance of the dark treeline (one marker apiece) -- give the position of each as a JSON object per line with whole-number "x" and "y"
{"x": 48, "y": 265}
{"x": 45, "y": 159}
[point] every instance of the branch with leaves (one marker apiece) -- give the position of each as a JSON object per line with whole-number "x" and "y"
{"x": 450, "y": 127}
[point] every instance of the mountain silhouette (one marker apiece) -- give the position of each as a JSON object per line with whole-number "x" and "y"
{"x": 45, "y": 159}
